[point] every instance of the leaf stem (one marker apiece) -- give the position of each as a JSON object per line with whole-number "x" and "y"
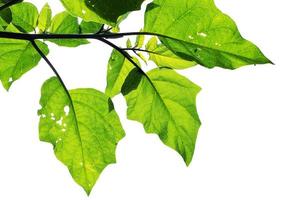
{"x": 51, "y": 66}
{"x": 137, "y": 49}
{"x": 129, "y": 58}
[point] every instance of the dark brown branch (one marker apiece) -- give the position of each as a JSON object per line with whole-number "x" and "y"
{"x": 28, "y": 36}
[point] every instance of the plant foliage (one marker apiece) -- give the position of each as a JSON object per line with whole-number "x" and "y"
{"x": 81, "y": 124}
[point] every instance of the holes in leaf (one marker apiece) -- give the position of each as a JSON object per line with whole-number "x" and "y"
{"x": 67, "y": 110}
{"x": 202, "y": 34}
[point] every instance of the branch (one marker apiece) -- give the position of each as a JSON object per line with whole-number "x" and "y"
{"x": 8, "y": 4}
{"x": 29, "y": 37}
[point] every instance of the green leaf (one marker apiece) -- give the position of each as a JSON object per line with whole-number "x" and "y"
{"x": 117, "y": 71}
{"x": 128, "y": 43}
{"x": 140, "y": 39}
{"x": 44, "y": 19}
{"x": 17, "y": 57}
{"x": 64, "y": 23}
{"x": 2, "y": 24}
{"x": 111, "y": 10}
{"x": 89, "y": 27}
{"x": 84, "y": 130}
{"x": 25, "y": 16}
{"x": 78, "y": 9}
{"x": 204, "y": 34}
{"x": 163, "y": 57}
{"x": 165, "y": 103}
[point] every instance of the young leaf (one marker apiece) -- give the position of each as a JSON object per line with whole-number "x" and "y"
{"x": 64, "y": 23}
{"x": 17, "y": 57}
{"x": 128, "y": 43}
{"x": 165, "y": 103}
{"x": 140, "y": 39}
{"x": 211, "y": 39}
{"x": 164, "y": 57}
{"x": 111, "y": 10}
{"x": 83, "y": 128}
{"x": 44, "y": 19}
{"x": 117, "y": 71}
{"x": 25, "y": 16}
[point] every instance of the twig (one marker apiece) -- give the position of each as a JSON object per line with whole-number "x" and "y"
{"x": 51, "y": 66}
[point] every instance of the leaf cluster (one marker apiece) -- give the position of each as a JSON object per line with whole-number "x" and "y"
{"x": 82, "y": 124}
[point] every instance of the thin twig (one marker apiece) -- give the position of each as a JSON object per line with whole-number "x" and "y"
{"x": 37, "y": 48}
{"x": 101, "y": 29}
{"x": 137, "y": 49}
{"x": 129, "y": 58}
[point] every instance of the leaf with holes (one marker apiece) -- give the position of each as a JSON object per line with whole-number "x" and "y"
{"x": 82, "y": 124}
{"x": 83, "y": 128}
{"x": 17, "y": 57}
{"x": 211, "y": 39}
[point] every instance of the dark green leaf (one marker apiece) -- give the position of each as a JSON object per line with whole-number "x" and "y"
{"x": 111, "y": 10}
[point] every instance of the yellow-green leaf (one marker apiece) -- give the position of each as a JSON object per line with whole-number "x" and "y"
{"x": 83, "y": 128}
{"x": 202, "y": 33}
{"x": 117, "y": 71}
{"x": 17, "y": 57}
{"x": 44, "y": 19}
{"x": 165, "y": 103}
{"x": 163, "y": 57}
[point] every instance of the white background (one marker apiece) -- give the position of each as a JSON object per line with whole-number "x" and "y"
{"x": 248, "y": 145}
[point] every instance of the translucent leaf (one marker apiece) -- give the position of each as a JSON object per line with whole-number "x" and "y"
{"x": 117, "y": 71}
{"x": 17, "y": 57}
{"x": 25, "y": 16}
{"x": 83, "y": 128}
{"x": 79, "y": 9}
{"x": 64, "y": 23}
{"x": 44, "y": 19}
{"x": 163, "y": 57}
{"x": 203, "y": 33}
{"x": 165, "y": 103}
